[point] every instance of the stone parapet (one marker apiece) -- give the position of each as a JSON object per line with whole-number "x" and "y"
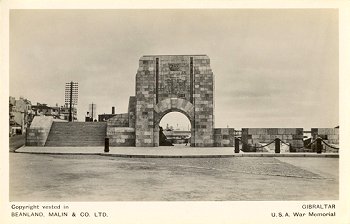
{"x": 224, "y": 137}
{"x": 258, "y": 136}
{"x": 39, "y": 131}
{"x": 121, "y": 136}
{"x": 119, "y": 120}
{"x": 329, "y": 135}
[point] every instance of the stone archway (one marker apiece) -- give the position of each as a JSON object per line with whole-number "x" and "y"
{"x": 166, "y": 83}
{"x": 172, "y": 105}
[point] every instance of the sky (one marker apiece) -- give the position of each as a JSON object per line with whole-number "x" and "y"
{"x": 272, "y": 67}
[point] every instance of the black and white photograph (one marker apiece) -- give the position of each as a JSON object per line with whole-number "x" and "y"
{"x": 174, "y": 105}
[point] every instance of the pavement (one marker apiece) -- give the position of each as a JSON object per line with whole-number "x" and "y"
{"x": 179, "y": 151}
{"x": 49, "y": 177}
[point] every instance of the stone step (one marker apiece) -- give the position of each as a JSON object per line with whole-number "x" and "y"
{"x": 77, "y": 134}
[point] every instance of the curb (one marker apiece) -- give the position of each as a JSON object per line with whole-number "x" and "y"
{"x": 335, "y": 155}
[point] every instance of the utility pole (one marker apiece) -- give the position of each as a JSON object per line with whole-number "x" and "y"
{"x": 92, "y": 109}
{"x": 70, "y": 102}
{"x": 71, "y": 98}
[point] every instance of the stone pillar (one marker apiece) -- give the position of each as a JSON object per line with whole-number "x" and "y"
{"x": 145, "y": 85}
{"x": 203, "y": 101}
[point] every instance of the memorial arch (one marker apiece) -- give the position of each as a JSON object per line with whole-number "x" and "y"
{"x": 167, "y": 83}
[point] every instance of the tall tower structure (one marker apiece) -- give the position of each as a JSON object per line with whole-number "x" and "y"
{"x": 71, "y": 97}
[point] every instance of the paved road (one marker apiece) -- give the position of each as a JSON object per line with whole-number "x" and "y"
{"x": 328, "y": 168}
{"x": 35, "y": 177}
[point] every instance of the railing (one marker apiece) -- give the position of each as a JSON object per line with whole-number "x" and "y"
{"x": 278, "y": 142}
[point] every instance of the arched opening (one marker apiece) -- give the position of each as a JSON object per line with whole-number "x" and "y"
{"x": 170, "y": 105}
{"x": 176, "y": 128}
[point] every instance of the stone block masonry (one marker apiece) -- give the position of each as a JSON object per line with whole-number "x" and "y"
{"x": 224, "y": 137}
{"x": 329, "y": 135}
{"x": 118, "y": 130}
{"x": 39, "y": 131}
{"x": 119, "y": 120}
{"x": 252, "y": 136}
{"x": 36, "y": 137}
{"x": 77, "y": 134}
{"x": 186, "y": 81}
{"x": 121, "y": 136}
{"x": 145, "y": 101}
{"x": 203, "y": 100}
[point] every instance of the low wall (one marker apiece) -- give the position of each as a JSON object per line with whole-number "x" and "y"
{"x": 224, "y": 137}
{"x": 121, "y": 136}
{"x": 258, "y": 136}
{"x": 119, "y": 120}
{"x": 329, "y": 135}
{"x": 39, "y": 131}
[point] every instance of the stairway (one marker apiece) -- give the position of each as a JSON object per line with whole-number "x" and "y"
{"x": 77, "y": 134}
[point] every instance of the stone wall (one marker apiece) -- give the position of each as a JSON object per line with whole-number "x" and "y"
{"x": 121, "y": 136}
{"x": 252, "y": 136}
{"x": 224, "y": 137}
{"x": 119, "y": 132}
{"x": 119, "y": 120}
{"x": 329, "y": 135}
{"x": 39, "y": 131}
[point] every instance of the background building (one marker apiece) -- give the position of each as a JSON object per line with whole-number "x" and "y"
{"x": 105, "y": 117}
{"x": 92, "y": 111}
{"x": 44, "y": 109}
{"x": 22, "y": 112}
{"x": 64, "y": 113}
{"x": 20, "y": 115}
{"x": 57, "y": 112}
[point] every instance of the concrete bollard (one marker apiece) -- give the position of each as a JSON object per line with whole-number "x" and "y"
{"x": 106, "y": 144}
{"x": 236, "y": 145}
{"x": 319, "y": 145}
{"x": 277, "y": 145}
